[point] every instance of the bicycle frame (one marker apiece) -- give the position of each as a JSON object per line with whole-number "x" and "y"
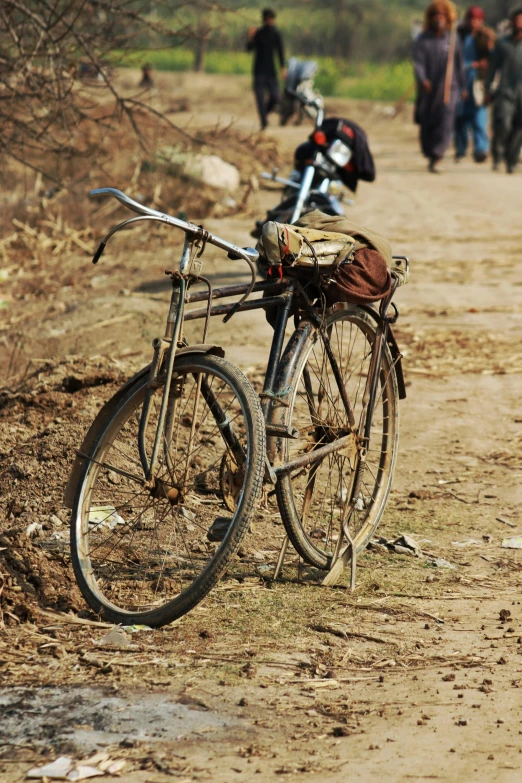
{"x": 278, "y": 293}
{"x": 284, "y": 291}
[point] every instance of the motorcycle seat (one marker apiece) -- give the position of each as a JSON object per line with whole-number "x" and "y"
{"x": 287, "y": 245}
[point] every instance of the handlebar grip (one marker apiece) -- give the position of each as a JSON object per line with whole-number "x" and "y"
{"x": 250, "y": 251}
{"x": 300, "y": 97}
{"x": 99, "y": 253}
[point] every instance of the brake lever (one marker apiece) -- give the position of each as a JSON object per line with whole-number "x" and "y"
{"x": 99, "y": 252}
{"x": 250, "y": 256}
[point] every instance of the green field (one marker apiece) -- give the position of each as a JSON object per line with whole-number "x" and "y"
{"x": 370, "y": 81}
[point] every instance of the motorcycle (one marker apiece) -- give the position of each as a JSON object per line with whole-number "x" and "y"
{"x": 299, "y": 78}
{"x": 323, "y": 167}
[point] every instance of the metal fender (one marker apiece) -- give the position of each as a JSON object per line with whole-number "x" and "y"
{"x": 107, "y": 410}
{"x": 395, "y": 352}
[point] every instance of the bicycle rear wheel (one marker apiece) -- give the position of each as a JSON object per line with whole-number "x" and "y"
{"x": 315, "y": 501}
{"x": 140, "y": 550}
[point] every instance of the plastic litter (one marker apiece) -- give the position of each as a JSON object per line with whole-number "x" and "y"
{"x": 56, "y": 770}
{"x": 82, "y": 772}
{"x": 512, "y": 543}
{"x": 403, "y": 545}
{"x": 342, "y": 496}
{"x": 465, "y": 544}
{"x": 33, "y": 529}
{"x": 407, "y": 545}
{"x": 440, "y": 562}
{"x": 105, "y": 516}
{"x": 116, "y": 767}
{"x": 65, "y": 768}
{"x": 97, "y": 759}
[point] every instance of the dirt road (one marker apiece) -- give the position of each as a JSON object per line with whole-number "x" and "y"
{"x": 418, "y": 674}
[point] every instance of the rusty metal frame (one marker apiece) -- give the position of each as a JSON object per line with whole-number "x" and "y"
{"x": 278, "y": 294}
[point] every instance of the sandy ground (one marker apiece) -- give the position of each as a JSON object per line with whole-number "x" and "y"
{"x": 419, "y": 674}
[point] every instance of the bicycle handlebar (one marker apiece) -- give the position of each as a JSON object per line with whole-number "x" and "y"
{"x": 248, "y": 254}
{"x": 315, "y": 102}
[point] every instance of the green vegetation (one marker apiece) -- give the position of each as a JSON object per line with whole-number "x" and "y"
{"x": 363, "y": 47}
{"x": 181, "y": 59}
{"x": 372, "y": 81}
{"x": 380, "y": 82}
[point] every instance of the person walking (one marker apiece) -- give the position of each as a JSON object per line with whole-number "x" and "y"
{"x": 506, "y": 62}
{"x": 439, "y": 72}
{"x": 472, "y": 113}
{"x": 267, "y": 44}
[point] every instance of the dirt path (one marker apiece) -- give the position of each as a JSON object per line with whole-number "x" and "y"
{"x": 415, "y": 676}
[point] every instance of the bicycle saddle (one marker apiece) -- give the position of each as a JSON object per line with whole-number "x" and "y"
{"x": 282, "y": 244}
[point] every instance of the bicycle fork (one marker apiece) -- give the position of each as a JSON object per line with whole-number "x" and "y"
{"x": 164, "y": 356}
{"x": 162, "y": 346}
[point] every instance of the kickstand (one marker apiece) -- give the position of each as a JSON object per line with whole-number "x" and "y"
{"x": 349, "y": 553}
{"x": 281, "y": 558}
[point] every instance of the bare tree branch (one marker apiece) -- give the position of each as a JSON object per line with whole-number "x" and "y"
{"x": 54, "y": 52}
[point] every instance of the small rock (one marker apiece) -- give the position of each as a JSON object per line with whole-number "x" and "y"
{"x": 33, "y": 530}
{"x": 116, "y": 637}
{"x": 343, "y": 731}
{"x": 440, "y": 562}
{"x": 209, "y": 169}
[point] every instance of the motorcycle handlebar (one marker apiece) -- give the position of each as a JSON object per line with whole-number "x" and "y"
{"x": 315, "y": 102}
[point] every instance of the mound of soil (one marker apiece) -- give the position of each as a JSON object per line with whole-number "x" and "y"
{"x": 43, "y": 419}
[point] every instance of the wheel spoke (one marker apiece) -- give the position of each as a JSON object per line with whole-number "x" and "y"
{"x": 142, "y": 548}
{"x": 314, "y": 502}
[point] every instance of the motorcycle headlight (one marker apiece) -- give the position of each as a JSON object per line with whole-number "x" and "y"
{"x": 339, "y": 153}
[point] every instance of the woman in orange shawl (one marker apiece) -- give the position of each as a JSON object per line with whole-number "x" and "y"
{"x": 436, "y": 105}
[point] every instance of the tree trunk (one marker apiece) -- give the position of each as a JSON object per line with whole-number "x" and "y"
{"x": 200, "y": 49}
{"x": 338, "y": 40}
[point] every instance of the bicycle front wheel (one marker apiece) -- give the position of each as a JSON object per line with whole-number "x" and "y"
{"x": 315, "y": 501}
{"x": 141, "y": 550}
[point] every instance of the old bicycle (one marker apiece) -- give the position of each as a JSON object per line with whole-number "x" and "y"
{"x": 188, "y": 437}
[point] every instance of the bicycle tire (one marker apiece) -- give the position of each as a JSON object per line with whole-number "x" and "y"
{"x": 351, "y": 328}
{"x": 109, "y": 547}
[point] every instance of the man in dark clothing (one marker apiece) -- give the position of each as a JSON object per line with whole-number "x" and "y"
{"x": 266, "y": 43}
{"x": 440, "y": 81}
{"x": 472, "y": 114}
{"x": 507, "y": 108}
